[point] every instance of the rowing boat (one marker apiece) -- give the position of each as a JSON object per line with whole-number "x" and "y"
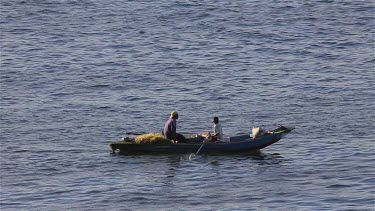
{"x": 238, "y": 143}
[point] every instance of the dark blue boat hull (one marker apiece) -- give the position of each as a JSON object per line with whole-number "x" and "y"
{"x": 242, "y": 143}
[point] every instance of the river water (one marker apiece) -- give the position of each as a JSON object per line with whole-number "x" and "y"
{"x": 77, "y": 75}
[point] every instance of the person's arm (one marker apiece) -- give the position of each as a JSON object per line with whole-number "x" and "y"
{"x": 174, "y": 128}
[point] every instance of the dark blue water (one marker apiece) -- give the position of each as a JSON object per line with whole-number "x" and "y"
{"x": 76, "y": 75}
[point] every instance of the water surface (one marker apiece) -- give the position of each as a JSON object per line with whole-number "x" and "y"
{"x": 76, "y": 75}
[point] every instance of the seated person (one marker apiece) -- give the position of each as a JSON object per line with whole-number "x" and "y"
{"x": 217, "y": 130}
{"x": 171, "y": 127}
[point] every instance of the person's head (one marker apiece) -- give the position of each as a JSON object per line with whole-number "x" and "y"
{"x": 174, "y": 115}
{"x": 216, "y": 120}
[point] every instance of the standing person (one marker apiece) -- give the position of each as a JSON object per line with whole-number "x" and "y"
{"x": 170, "y": 128}
{"x": 217, "y": 130}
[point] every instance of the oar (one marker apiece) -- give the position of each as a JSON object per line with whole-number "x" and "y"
{"x": 200, "y": 148}
{"x": 191, "y": 156}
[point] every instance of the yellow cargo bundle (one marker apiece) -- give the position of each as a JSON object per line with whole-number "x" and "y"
{"x": 152, "y": 138}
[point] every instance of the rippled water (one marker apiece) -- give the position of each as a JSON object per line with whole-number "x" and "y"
{"x": 76, "y": 75}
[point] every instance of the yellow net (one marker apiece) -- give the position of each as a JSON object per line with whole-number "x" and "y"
{"x": 152, "y": 138}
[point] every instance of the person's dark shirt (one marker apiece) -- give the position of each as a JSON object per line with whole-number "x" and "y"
{"x": 170, "y": 128}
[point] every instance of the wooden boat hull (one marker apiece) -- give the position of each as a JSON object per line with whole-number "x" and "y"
{"x": 242, "y": 143}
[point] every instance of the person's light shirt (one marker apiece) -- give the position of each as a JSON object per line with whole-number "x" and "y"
{"x": 218, "y": 130}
